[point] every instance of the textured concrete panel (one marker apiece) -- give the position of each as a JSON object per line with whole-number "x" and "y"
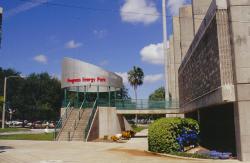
{"x": 207, "y": 67}
{"x": 186, "y": 28}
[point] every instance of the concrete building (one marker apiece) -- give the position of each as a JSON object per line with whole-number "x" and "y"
{"x": 214, "y": 76}
{"x": 186, "y": 28}
{"x": 199, "y": 8}
{"x": 177, "y": 52}
{"x": 172, "y": 79}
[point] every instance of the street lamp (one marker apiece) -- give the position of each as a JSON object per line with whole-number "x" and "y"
{"x": 4, "y": 97}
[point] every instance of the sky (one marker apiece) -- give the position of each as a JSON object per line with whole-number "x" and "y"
{"x": 113, "y": 34}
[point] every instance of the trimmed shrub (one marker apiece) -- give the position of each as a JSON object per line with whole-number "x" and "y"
{"x": 164, "y": 134}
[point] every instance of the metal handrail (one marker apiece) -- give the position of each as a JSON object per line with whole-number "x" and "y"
{"x": 143, "y": 104}
{"x": 60, "y": 124}
{"x": 91, "y": 120}
{"x": 77, "y": 120}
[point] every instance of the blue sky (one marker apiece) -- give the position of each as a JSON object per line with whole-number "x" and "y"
{"x": 112, "y": 34}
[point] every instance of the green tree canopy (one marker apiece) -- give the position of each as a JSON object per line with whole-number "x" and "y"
{"x": 135, "y": 78}
{"x": 158, "y": 94}
{"x": 37, "y": 97}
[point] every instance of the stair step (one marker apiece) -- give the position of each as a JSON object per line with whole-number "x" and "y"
{"x": 79, "y": 133}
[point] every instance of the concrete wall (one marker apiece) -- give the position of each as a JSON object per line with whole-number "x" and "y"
{"x": 186, "y": 28}
{"x": 240, "y": 39}
{"x": 108, "y": 123}
{"x": 199, "y": 8}
{"x": 205, "y": 75}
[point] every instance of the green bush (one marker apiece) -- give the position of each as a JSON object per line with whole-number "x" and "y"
{"x": 162, "y": 134}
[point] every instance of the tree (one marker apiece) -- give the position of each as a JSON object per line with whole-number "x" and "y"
{"x": 123, "y": 94}
{"x": 38, "y": 98}
{"x": 158, "y": 94}
{"x": 135, "y": 78}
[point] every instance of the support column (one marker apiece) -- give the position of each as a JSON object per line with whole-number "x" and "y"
{"x": 85, "y": 93}
{"x": 115, "y": 93}
{"x": 109, "y": 95}
{"x": 65, "y": 96}
{"x": 98, "y": 92}
{"x": 77, "y": 96}
{"x": 239, "y": 34}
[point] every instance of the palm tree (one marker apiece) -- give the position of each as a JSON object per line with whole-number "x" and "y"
{"x": 135, "y": 78}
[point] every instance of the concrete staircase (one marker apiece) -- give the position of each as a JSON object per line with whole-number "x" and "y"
{"x": 79, "y": 132}
{"x": 74, "y": 129}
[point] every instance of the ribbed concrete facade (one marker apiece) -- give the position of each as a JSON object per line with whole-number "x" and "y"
{"x": 205, "y": 75}
{"x": 215, "y": 71}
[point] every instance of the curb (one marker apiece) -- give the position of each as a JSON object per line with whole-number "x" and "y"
{"x": 189, "y": 158}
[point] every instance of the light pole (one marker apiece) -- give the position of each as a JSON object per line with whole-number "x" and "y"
{"x": 4, "y": 97}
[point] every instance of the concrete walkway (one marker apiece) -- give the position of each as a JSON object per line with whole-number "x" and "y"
{"x": 32, "y": 131}
{"x": 80, "y": 152}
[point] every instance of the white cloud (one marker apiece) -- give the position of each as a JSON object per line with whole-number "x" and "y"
{"x": 72, "y": 44}
{"x": 150, "y": 79}
{"x": 25, "y": 7}
{"x": 139, "y": 11}
{"x": 124, "y": 76}
{"x": 41, "y": 59}
{"x": 153, "y": 54}
{"x": 174, "y": 6}
{"x": 100, "y": 33}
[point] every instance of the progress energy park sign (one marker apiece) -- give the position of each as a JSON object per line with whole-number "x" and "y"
{"x": 86, "y": 77}
{"x": 86, "y": 80}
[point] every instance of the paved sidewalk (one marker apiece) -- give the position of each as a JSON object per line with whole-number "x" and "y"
{"x": 21, "y": 151}
{"x": 32, "y": 131}
{"x": 81, "y": 152}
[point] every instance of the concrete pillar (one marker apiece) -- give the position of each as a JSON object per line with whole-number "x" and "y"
{"x": 172, "y": 73}
{"x": 167, "y": 75}
{"x": 186, "y": 28}
{"x": 240, "y": 41}
{"x": 65, "y": 96}
{"x": 177, "y": 53}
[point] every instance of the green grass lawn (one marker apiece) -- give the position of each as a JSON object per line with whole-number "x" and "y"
{"x": 43, "y": 136}
{"x": 13, "y": 129}
{"x": 138, "y": 128}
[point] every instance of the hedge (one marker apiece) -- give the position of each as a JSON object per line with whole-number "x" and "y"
{"x": 164, "y": 133}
